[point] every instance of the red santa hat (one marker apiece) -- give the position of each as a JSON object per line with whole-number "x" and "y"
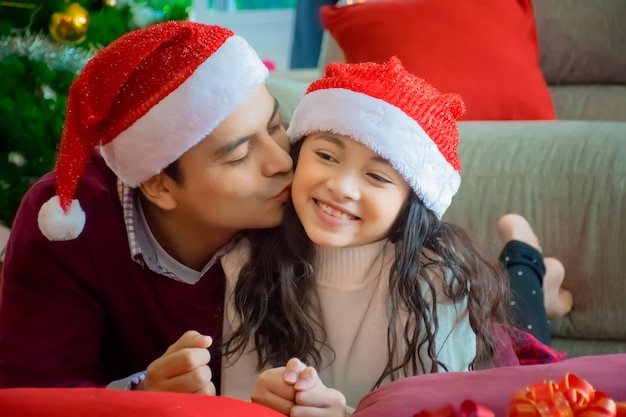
{"x": 146, "y": 99}
{"x": 396, "y": 114}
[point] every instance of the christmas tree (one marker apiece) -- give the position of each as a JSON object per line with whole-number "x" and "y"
{"x": 43, "y": 46}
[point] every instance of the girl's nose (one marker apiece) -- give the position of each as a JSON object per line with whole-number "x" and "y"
{"x": 345, "y": 187}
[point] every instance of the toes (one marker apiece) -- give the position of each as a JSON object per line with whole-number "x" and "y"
{"x": 558, "y": 301}
{"x": 555, "y": 274}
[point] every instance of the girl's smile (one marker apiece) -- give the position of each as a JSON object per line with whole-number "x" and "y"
{"x": 344, "y": 193}
{"x": 334, "y": 212}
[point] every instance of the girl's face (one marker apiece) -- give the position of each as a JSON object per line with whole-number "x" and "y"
{"x": 344, "y": 193}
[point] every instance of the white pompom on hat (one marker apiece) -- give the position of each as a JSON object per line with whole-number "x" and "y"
{"x": 146, "y": 99}
{"x": 394, "y": 113}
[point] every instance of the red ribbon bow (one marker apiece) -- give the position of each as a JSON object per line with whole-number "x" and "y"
{"x": 572, "y": 397}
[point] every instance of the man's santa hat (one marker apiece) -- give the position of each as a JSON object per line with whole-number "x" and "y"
{"x": 146, "y": 99}
{"x": 394, "y": 113}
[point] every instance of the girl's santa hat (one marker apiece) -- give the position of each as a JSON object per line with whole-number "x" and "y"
{"x": 146, "y": 99}
{"x": 397, "y": 115}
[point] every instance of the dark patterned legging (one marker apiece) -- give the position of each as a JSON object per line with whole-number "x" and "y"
{"x": 526, "y": 269}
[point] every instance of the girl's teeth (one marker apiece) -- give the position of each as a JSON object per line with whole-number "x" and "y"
{"x": 333, "y": 212}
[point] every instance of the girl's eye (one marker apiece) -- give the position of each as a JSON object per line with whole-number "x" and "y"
{"x": 380, "y": 179}
{"x": 325, "y": 156}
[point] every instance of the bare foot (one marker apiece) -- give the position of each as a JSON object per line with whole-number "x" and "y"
{"x": 516, "y": 227}
{"x": 558, "y": 301}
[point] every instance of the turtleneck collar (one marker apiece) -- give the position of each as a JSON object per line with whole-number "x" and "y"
{"x": 353, "y": 267}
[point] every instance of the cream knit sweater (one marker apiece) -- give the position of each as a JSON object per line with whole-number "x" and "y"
{"x": 352, "y": 287}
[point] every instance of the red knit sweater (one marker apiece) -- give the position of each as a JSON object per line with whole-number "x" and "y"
{"x": 82, "y": 312}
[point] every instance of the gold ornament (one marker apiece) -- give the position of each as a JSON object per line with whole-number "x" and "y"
{"x": 109, "y": 3}
{"x": 70, "y": 27}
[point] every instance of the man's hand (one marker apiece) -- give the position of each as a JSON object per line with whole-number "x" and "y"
{"x": 274, "y": 387}
{"x": 182, "y": 368}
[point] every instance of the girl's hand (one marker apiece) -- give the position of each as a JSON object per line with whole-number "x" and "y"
{"x": 182, "y": 368}
{"x": 274, "y": 387}
{"x": 314, "y": 399}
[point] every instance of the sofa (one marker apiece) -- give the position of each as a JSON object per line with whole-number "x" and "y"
{"x": 567, "y": 176}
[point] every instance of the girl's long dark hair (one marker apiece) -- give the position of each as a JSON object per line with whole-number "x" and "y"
{"x": 276, "y": 303}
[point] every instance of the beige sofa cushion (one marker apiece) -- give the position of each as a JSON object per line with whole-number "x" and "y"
{"x": 582, "y": 41}
{"x": 589, "y": 102}
{"x": 569, "y": 179}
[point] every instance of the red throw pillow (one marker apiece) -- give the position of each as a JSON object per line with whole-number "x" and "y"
{"x": 493, "y": 388}
{"x": 102, "y": 402}
{"x": 485, "y": 50}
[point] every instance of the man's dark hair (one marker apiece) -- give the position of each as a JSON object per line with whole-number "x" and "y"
{"x": 174, "y": 172}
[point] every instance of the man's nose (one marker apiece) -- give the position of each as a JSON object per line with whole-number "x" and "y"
{"x": 277, "y": 160}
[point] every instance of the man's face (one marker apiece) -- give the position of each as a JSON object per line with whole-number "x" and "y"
{"x": 239, "y": 176}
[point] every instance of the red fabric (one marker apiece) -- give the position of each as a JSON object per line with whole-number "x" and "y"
{"x": 70, "y": 316}
{"x": 530, "y": 351}
{"x": 505, "y": 354}
{"x": 119, "y": 85}
{"x": 1, "y": 268}
{"x": 492, "y": 388}
{"x": 99, "y": 402}
{"x": 436, "y": 113}
{"x": 486, "y": 51}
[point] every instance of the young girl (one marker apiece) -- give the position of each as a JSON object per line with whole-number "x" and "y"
{"x": 537, "y": 295}
{"x": 363, "y": 280}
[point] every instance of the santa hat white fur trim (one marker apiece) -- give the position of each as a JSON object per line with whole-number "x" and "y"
{"x": 386, "y": 130}
{"x": 173, "y": 126}
{"x": 55, "y": 224}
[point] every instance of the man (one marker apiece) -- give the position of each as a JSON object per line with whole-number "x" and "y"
{"x": 111, "y": 264}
